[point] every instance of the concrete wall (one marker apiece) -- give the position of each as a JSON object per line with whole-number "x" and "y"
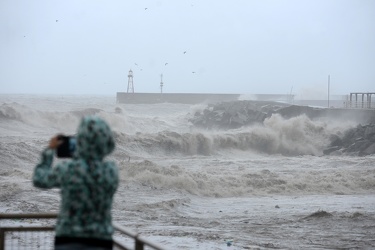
{"x": 185, "y": 98}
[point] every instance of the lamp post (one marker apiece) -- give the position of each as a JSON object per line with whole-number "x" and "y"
{"x": 329, "y": 79}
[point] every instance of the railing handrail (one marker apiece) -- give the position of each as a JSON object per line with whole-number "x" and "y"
{"x": 139, "y": 240}
{"x": 29, "y": 216}
{"x": 28, "y": 228}
{"x": 359, "y": 104}
{"x": 136, "y": 236}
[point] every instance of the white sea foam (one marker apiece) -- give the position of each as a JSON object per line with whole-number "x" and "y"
{"x": 191, "y": 188}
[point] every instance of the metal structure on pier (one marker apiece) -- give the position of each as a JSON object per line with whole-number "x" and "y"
{"x": 364, "y": 101}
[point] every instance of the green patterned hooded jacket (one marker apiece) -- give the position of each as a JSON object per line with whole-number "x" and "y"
{"x": 87, "y": 182}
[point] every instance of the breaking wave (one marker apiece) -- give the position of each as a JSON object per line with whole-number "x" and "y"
{"x": 295, "y": 136}
{"x": 139, "y": 135}
{"x": 224, "y": 179}
{"x": 65, "y": 121}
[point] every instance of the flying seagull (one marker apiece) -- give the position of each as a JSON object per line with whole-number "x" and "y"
{"x": 165, "y": 64}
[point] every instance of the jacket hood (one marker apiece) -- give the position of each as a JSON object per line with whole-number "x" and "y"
{"x": 94, "y": 139}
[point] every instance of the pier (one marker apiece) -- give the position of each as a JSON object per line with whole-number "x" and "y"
{"x": 192, "y": 98}
{"x": 184, "y": 98}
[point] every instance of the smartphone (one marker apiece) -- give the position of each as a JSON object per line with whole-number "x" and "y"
{"x": 67, "y": 147}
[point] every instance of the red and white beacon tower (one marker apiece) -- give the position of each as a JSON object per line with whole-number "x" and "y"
{"x": 130, "y": 82}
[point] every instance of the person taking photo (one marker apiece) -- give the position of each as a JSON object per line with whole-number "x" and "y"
{"x": 88, "y": 184}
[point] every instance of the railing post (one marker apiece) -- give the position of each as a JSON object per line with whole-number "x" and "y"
{"x": 138, "y": 244}
{"x": 2, "y": 239}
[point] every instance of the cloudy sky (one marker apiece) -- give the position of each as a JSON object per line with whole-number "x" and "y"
{"x": 200, "y": 46}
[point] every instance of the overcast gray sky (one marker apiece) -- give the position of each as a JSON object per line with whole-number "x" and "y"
{"x": 205, "y": 46}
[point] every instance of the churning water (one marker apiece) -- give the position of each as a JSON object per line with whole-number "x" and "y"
{"x": 260, "y": 187}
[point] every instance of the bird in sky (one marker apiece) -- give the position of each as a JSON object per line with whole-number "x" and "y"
{"x": 184, "y": 52}
{"x": 165, "y": 64}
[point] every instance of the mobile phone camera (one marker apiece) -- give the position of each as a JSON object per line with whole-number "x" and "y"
{"x": 67, "y": 148}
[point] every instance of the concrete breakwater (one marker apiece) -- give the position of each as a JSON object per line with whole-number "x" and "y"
{"x": 195, "y": 98}
{"x": 184, "y": 98}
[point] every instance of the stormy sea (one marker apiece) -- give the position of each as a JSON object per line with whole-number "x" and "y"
{"x": 265, "y": 185}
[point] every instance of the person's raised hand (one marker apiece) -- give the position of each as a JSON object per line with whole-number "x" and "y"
{"x": 55, "y": 142}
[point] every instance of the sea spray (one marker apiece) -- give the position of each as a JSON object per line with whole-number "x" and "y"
{"x": 187, "y": 187}
{"x": 295, "y": 136}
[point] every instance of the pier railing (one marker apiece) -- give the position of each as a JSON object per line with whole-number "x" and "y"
{"x": 36, "y": 231}
{"x": 359, "y": 105}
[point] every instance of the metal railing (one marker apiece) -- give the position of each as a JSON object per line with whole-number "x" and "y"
{"x": 359, "y": 105}
{"x": 22, "y": 236}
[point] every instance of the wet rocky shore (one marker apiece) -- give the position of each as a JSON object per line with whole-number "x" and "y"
{"x": 231, "y": 115}
{"x": 358, "y": 141}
